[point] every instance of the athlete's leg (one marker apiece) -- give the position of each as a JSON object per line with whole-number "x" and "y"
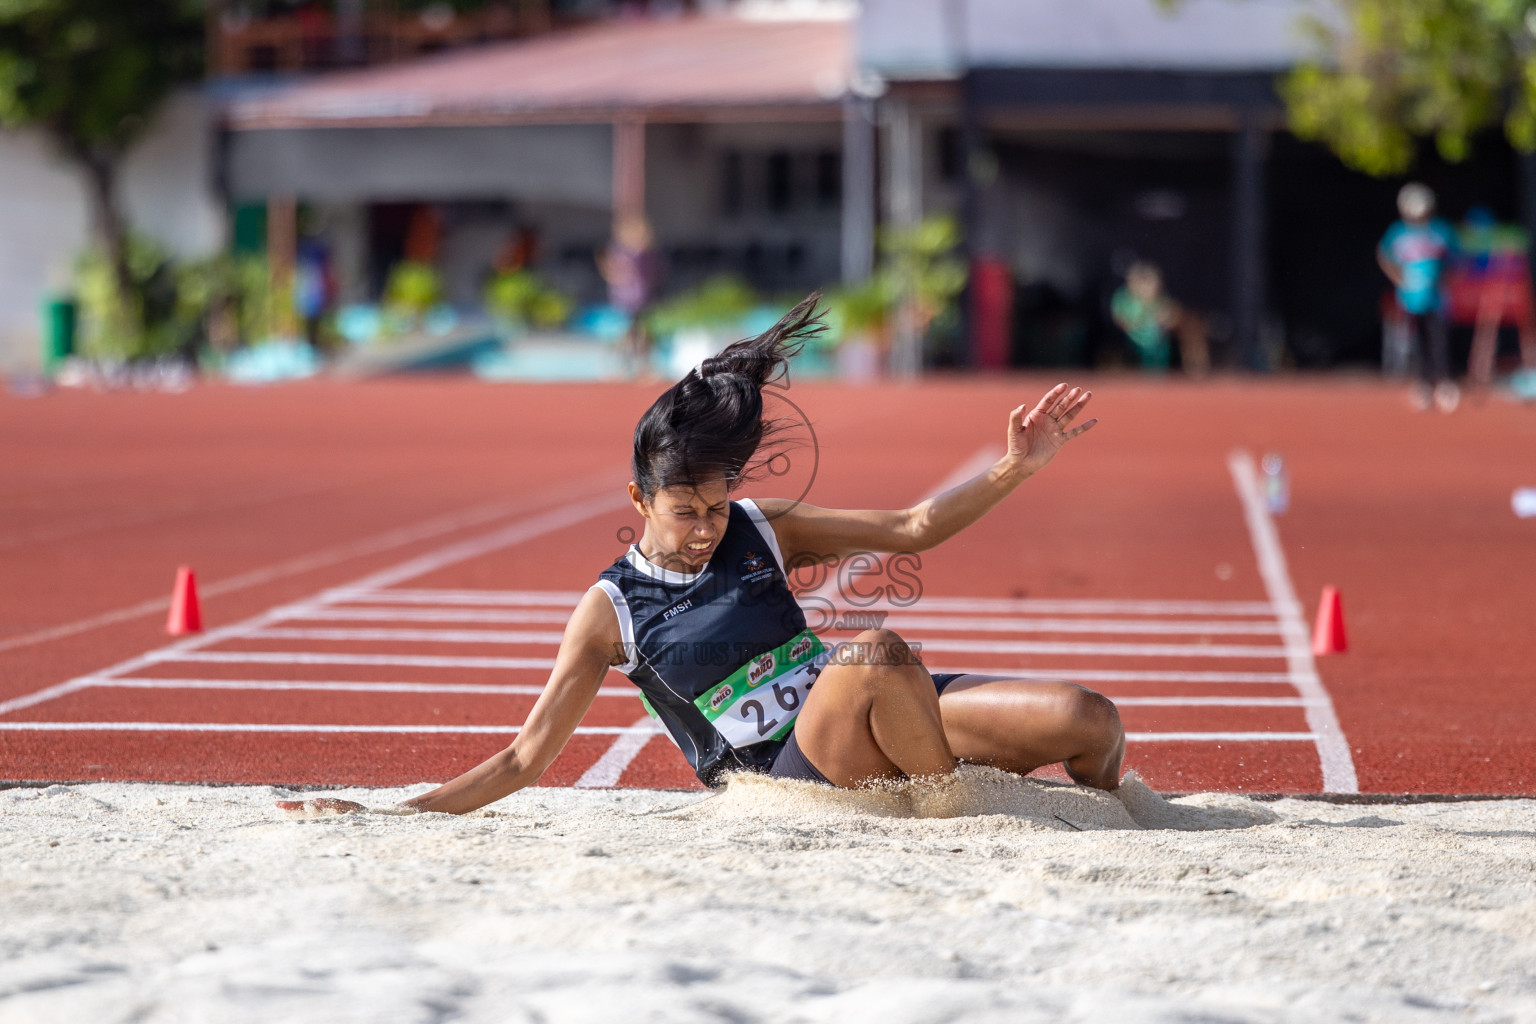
{"x": 873, "y": 714}
{"x": 1021, "y": 724}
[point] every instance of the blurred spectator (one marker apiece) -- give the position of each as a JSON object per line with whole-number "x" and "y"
{"x": 1146, "y": 315}
{"x": 632, "y": 268}
{"x": 519, "y": 252}
{"x": 313, "y": 286}
{"x": 1414, "y": 254}
{"x": 1194, "y": 334}
{"x": 1491, "y": 288}
{"x": 424, "y": 234}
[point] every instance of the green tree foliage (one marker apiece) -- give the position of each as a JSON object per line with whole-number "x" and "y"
{"x": 90, "y": 73}
{"x": 919, "y": 268}
{"x": 1388, "y": 72}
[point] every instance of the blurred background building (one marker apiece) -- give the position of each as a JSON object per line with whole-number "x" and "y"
{"x": 770, "y": 141}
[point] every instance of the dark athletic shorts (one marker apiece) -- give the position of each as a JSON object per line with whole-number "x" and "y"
{"x": 792, "y": 762}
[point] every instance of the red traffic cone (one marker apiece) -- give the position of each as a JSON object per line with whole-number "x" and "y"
{"x": 1328, "y": 635}
{"x": 185, "y": 615}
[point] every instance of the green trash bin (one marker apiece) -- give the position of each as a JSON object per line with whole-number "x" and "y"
{"x": 59, "y": 315}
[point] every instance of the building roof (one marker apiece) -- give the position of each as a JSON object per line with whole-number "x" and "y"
{"x": 687, "y": 68}
{"x": 937, "y": 38}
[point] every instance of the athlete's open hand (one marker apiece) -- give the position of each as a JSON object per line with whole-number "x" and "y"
{"x": 1036, "y": 435}
{"x": 320, "y": 806}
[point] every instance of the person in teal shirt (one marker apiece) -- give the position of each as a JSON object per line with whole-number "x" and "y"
{"x": 1146, "y": 315}
{"x": 1415, "y": 254}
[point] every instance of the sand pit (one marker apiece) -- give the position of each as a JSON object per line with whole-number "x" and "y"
{"x": 985, "y": 898}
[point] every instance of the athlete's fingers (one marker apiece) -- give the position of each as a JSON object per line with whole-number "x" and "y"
{"x": 1064, "y": 402}
{"x": 1045, "y": 404}
{"x": 319, "y": 805}
{"x": 1077, "y": 407}
{"x": 1054, "y": 397}
{"x": 1081, "y": 429}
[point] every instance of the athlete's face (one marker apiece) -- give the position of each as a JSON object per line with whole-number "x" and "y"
{"x": 683, "y": 524}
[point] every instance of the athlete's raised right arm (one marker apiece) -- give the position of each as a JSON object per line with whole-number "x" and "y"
{"x": 591, "y": 645}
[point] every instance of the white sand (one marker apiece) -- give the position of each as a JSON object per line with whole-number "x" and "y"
{"x": 977, "y": 900}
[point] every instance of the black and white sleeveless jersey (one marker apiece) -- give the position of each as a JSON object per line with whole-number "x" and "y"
{"x": 722, "y": 656}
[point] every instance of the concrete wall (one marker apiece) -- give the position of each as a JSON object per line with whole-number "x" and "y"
{"x": 557, "y": 181}
{"x": 921, "y": 38}
{"x": 684, "y": 168}
{"x": 166, "y": 193}
{"x": 43, "y": 226}
{"x": 553, "y": 163}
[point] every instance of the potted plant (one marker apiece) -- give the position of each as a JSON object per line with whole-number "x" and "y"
{"x": 521, "y": 299}
{"x": 700, "y": 322}
{"x": 923, "y": 277}
{"x": 412, "y": 291}
{"x": 859, "y": 320}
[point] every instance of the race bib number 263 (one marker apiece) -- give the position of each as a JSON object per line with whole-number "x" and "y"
{"x": 760, "y": 700}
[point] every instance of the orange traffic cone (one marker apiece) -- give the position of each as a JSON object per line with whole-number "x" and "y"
{"x": 185, "y": 615}
{"x": 1328, "y": 635}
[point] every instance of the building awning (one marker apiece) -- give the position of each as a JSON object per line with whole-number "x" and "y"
{"x": 924, "y": 39}
{"x": 701, "y": 68}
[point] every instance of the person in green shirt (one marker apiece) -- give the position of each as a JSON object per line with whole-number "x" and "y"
{"x": 1146, "y": 315}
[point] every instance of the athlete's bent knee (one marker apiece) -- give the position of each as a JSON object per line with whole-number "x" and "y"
{"x": 1089, "y": 713}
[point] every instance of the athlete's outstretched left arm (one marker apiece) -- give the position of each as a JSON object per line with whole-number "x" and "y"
{"x": 587, "y": 650}
{"x": 1034, "y": 437}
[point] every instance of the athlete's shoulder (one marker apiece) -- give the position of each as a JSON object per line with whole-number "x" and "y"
{"x": 617, "y": 569}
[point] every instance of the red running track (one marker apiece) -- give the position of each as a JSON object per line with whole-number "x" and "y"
{"x": 465, "y": 518}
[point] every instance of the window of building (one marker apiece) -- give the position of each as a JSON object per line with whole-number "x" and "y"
{"x": 829, "y": 178}
{"x": 781, "y": 182}
{"x": 732, "y": 190}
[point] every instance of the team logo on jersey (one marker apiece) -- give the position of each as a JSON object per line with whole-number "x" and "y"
{"x": 721, "y": 695}
{"x": 761, "y": 669}
{"x": 801, "y": 649}
{"x": 754, "y": 567}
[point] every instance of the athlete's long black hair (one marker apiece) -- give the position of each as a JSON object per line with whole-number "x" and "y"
{"x": 710, "y": 424}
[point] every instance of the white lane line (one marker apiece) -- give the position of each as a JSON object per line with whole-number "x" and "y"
{"x": 331, "y": 613}
{"x": 1121, "y": 676}
{"x": 1210, "y": 702}
{"x": 1332, "y": 746}
{"x": 184, "y": 648}
{"x": 1106, "y": 676}
{"x": 51, "y": 693}
{"x": 400, "y": 537}
{"x": 491, "y": 598}
{"x": 338, "y": 686}
{"x": 1218, "y": 737}
{"x": 1018, "y": 624}
{"x": 493, "y": 636}
{"x": 1066, "y": 606}
{"x": 506, "y": 536}
{"x": 595, "y": 730}
{"x": 585, "y": 730}
{"x": 319, "y": 658}
{"x": 1144, "y": 627}
{"x": 625, "y": 748}
{"x": 437, "y": 636}
{"x": 973, "y": 605}
{"x": 1111, "y": 650}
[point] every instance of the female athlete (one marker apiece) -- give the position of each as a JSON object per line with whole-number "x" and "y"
{"x": 699, "y": 615}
